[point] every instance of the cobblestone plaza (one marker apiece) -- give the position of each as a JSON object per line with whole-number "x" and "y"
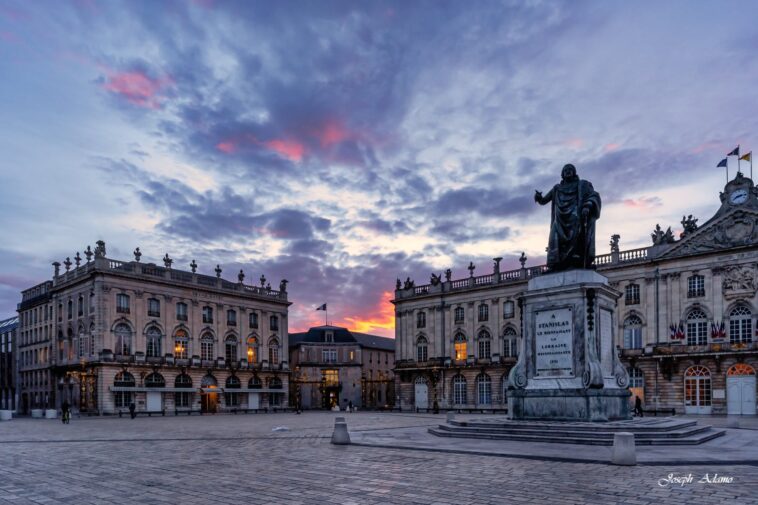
{"x": 233, "y": 459}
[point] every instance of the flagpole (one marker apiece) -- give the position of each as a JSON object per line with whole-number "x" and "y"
{"x": 738, "y": 158}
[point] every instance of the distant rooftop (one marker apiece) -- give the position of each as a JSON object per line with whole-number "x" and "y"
{"x": 317, "y": 334}
{"x": 8, "y": 324}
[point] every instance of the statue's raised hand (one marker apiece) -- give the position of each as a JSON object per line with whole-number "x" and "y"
{"x": 538, "y": 196}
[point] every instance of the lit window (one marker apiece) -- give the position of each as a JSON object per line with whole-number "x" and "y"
{"x": 330, "y": 377}
{"x": 181, "y": 342}
{"x": 252, "y": 350}
{"x": 460, "y": 347}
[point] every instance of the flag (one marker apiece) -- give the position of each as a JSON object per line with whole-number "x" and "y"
{"x": 673, "y": 331}
{"x": 323, "y": 307}
{"x": 735, "y": 151}
{"x": 722, "y": 163}
{"x": 748, "y": 156}
{"x": 680, "y": 331}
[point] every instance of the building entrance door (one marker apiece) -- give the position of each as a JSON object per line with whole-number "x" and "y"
{"x": 697, "y": 390}
{"x": 208, "y": 402}
{"x": 421, "y": 394}
{"x": 331, "y": 397}
{"x": 154, "y": 401}
{"x": 740, "y": 390}
{"x": 253, "y": 400}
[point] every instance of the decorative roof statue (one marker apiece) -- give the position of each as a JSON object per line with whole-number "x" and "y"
{"x": 167, "y": 261}
{"x": 435, "y": 280}
{"x": 398, "y": 285}
{"x": 689, "y": 225}
{"x": 575, "y": 209}
{"x": 263, "y": 280}
{"x": 218, "y": 271}
{"x": 67, "y": 263}
{"x": 137, "y": 254}
{"x": 241, "y": 276}
{"x": 100, "y": 249}
{"x": 408, "y": 283}
{"x": 448, "y": 275}
{"x": 471, "y": 268}
{"x": 193, "y": 266}
{"x": 283, "y": 285}
{"x": 522, "y": 259}
{"x": 661, "y": 237}
{"x": 77, "y": 259}
{"x": 56, "y": 268}
{"x": 88, "y": 253}
{"x": 615, "y": 242}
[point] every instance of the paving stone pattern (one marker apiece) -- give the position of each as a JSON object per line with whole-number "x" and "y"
{"x": 240, "y": 460}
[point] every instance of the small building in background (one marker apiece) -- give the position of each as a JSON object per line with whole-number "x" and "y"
{"x": 335, "y": 366}
{"x": 8, "y": 367}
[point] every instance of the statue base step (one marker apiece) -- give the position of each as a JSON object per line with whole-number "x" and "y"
{"x": 597, "y": 405}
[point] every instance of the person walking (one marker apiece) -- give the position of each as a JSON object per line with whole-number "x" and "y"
{"x": 65, "y": 412}
{"x": 638, "y": 406}
{"x": 350, "y": 406}
{"x": 132, "y": 410}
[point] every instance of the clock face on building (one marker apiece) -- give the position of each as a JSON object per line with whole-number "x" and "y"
{"x": 738, "y": 196}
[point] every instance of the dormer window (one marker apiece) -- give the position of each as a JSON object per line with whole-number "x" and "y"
{"x": 329, "y": 336}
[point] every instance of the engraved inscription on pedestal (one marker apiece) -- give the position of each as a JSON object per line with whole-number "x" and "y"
{"x": 554, "y": 332}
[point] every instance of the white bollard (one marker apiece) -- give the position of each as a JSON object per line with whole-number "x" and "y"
{"x": 51, "y": 414}
{"x": 340, "y": 435}
{"x": 38, "y": 413}
{"x": 6, "y": 415}
{"x": 450, "y": 416}
{"x": 624, "y": 449}
{"x": 732, "y": 422}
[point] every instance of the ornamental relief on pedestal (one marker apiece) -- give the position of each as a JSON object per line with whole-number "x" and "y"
{"x": 739, "y": 281}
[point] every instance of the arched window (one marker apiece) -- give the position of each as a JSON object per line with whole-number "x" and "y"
{"x": 252, "y": 349}
{"x": 697, "y": 390}
{"x": 633, "y": 332}
{"x": 421, "y": 320}
{"x": 275, "y": 383}
{"x": 181, "y": 344}
{"x": 510, "y": 342}
{"x": 206, "y": 347}
{"x": 697, "y": 327}
{"x": 740, "y": 325}
{"x": 123, "y": 339}
{"x": 695, "y": 286}
{"x": 508, "y": 309}
{"x": 123, "y": 380}
{"x": 230, "y": 346}
{"x": 274, "y": 323}
{"x": 421, "y": 349}
{"x": 273, "y": 352}
{"x": 485, "y": 345}
{"x": 459, "y": 390}
{"x": 183, "y": 398}
{"x": 459, "y": 315}
{"x": 155, "y": 380}
{"x": 636, "y": 378}
{"x": 153, "y": 335}
{"x": 231, "y": 317}
{"x": 484, "y": 389}
{"x": 460, "y": 347}
{"x": 740, "y": 369}
{"x": 232, "y": 399}
{"x": 255, "y": 382}
{"x": 484, "y": 312}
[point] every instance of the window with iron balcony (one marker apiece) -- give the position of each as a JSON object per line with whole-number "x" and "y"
{"x": 253, "y": 320}
{"x": 122, "y": 304}
{"x": 231, "y": 318}
{"x": 153, "y": 307}
{"x": 208, "y": 314}
{"x": 181, "y": 311}
{"x": 632, "y": 294}
{"x": 274, "y": 320}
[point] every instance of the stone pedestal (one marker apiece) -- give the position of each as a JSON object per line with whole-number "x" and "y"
{"x": 568, "y": 368}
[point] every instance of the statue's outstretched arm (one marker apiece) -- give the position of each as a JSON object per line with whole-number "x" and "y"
{"x": 542, "y": 200}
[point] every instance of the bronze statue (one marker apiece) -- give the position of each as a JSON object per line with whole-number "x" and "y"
{"x": 576, "y": 207}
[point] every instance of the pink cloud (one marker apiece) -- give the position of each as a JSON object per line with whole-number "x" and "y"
{"x": 227, "y": 146}
{"x": 644, "y": 202}
{"x": 574, "y": 143}
{"x": 332, "y": 132}
{"x": 137, "y": 87}
{"x": 707, "y": 146}
{"x": 611, "y": 147}
{"x": 288, "y": 148}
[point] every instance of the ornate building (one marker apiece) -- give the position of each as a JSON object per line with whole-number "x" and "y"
{"x": 105, "y": 333}
{"x": 685, "y": 320}
{"x": 336, "y": 366}
{"x": 8, "y": 380}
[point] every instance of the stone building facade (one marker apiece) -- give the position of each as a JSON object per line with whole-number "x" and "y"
{"x": 106, "y": 333}
{"x": 336, "y": 366}
{"x": 685, "y": 321}
{"x": 8, "y": 378}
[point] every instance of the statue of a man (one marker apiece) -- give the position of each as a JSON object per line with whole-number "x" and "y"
{"x": 576, "y": 207}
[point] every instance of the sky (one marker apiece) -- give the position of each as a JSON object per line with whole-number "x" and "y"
{"x": 343, "y": 145}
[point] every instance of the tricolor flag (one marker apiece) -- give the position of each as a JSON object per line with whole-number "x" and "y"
{"x": 735, "y": 151}
{"x": 672, "y": 327}
{"x": 323, "y": 307}
{"x": 680, "y": 331}
{"x": 748, "y": 156}
{"x": 722, "y": 163}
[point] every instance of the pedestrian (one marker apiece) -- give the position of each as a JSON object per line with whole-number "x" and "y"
{"x": 350, "y": 406}
{"x": 132, "y": 410}
{"x": 638, "y": 406}
{"x": 65, "y": 412}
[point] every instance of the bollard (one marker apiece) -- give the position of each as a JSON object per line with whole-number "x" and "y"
{"x": 38, "y": 413}
{"x": 450, "y": 416}
{"x": 51, "y": 413}
{"x": 624, "y": 449}
{"x": 732, "y": 422}
{"x": 340, "y": 435}
{"x": 6, "y": 415}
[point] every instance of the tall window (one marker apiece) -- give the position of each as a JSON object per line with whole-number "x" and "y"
{"x": 231, "y": 317}
{"x": 740, "y": 325}
{"x": 60, "y": 312}
{"x": 206, "y": 347}
{"x": 697, "y": 328}
{"x": 484, "y": 312}
{"x": 329, "y": 355}
{"x": 636, "y": 378}
{"x": 207, "y": 314}
{"x": 633, "y": 332}
{"x": 230, "y": 345}
{"x": 459, "y": 314}
{"x": 274, "y": 323}
{"x": 421, "y": 320}
{"x": 510, "y": 343}
{"x": 79, "y": 306}
{"x": 459, "y": 344}
{"x": 232, "y": 399}
{"x": 153, "y": 307}
{"x": 484, "y": 389}
{"x": 82, "y": 342}
{"x": 253, "y": 320}
{"x": 183, "y": 398}
{"x": 123, "y": 380}
{"x": 153, "y": 335}
{"x": 92, "y": 339}
{"x": 252, "y": 350}
{"x": 695, "y": 286}
{"x": 91, "y": 304}
{"x": 697, "y": 387}
{"x": 485, "y": 345}
{"x": 181, "y": 311}
{"x": 181, "y": 344}
{"x": 330, "y": 377}
{"x": 122, "y": 303}
{"x": 273, "y": 351}
{"x": 275, "y": 398}
{"x": 70, "y": 311}
{"x": 123, "y": 339}
{"x": 632, "y": 292}
{"x": 459, "y": 390}
{"x": 508, "y": 309}
{"x": 421, "y": 350}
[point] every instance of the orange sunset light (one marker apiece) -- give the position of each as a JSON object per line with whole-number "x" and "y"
{"x": 383, "y": 319}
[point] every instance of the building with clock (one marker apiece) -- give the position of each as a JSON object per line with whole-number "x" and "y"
{"x": 685, "y": 321}
{"x": 103, "y": 334}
